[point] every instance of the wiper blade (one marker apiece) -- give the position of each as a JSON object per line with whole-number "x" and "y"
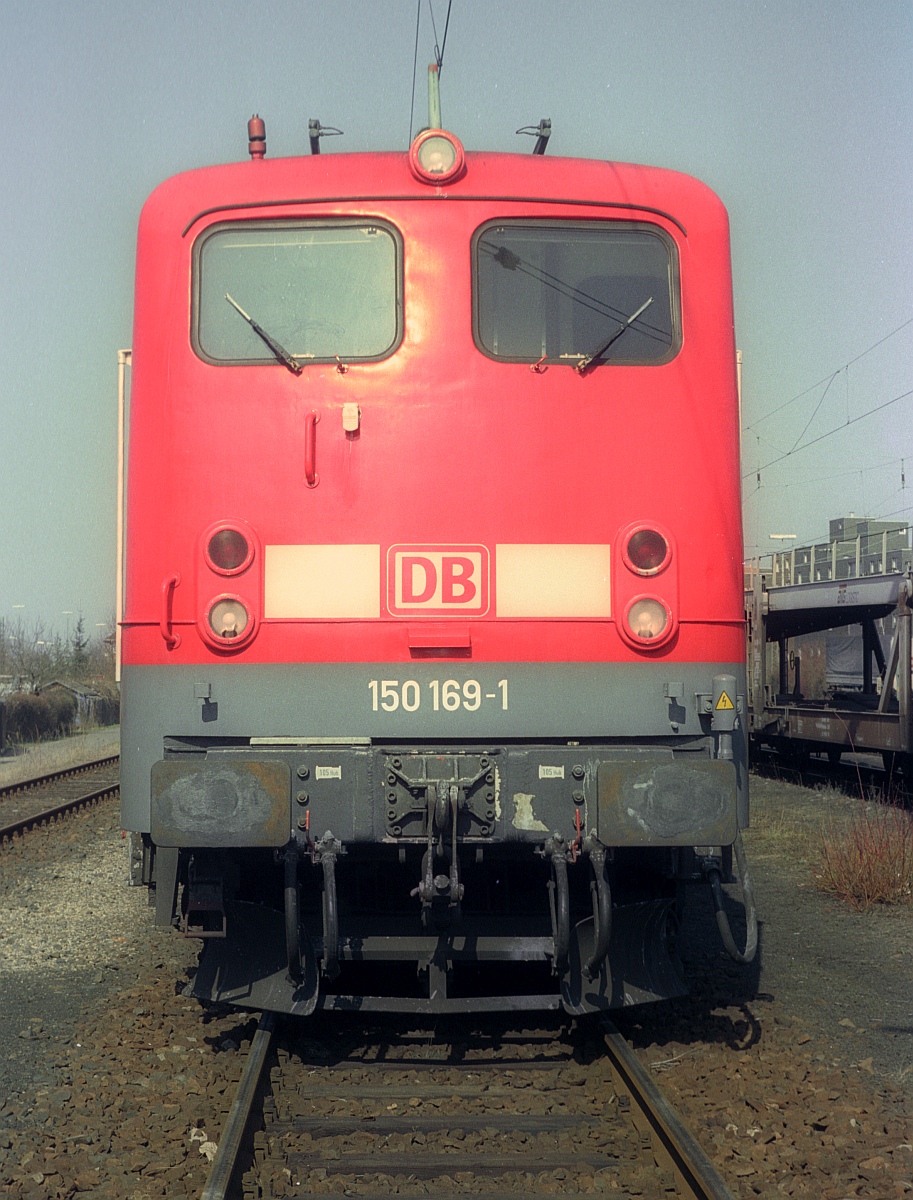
{"x": 598, "y": 353}
{"x": 279, "y": 352}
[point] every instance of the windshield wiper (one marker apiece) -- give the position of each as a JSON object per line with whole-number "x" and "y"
{"x": 598, "y": 353}
{"x": 279, "y": 352}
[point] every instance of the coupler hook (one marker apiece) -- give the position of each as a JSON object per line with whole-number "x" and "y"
{"x": 440, "y": 894}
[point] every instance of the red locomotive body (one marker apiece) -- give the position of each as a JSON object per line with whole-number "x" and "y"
{"x": 433, "y": 638}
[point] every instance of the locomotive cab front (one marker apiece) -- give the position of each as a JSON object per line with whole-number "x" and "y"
{"x": 433, "y": 642}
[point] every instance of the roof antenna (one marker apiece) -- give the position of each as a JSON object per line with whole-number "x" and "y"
{"x": 316, "y": 131}
{"x": 541, "y": 132}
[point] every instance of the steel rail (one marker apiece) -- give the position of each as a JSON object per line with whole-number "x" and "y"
{"x": 226, "y": 1157}
{"x": 48, "y": 814}
{"x": 33, "y": 781}
{"x": 688, "y": 1159}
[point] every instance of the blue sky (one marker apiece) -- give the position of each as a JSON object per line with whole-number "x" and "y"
{"x": 799, "y": 113}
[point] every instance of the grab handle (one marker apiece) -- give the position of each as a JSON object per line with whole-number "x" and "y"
{"x": 310, "y": 449}
{"x": 171, "y": 639}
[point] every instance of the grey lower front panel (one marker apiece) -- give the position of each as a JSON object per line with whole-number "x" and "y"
{"x": 627, "y": 707}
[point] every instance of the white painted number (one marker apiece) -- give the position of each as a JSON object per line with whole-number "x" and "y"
{"x": 389, "y": 695}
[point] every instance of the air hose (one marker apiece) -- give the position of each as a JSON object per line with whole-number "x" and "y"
{"x": 602, "y": 914}
{"x": 751, "y": 914}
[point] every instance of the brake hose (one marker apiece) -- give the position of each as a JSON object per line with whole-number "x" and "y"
{"x": 751, "y": 913}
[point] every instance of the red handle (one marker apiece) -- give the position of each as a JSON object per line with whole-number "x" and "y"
{"x": 171, "y": 639}
{"x": 310, "y": 449}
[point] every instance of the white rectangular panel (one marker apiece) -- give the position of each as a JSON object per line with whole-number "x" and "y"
{"x": 322, "y": 581}
{"x": 553, "y": 580}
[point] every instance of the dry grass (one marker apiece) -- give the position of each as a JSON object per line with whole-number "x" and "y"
{"x": 859, "y": 851}
{"x": 786, "y": 820}
{"x": 868, "y": 859}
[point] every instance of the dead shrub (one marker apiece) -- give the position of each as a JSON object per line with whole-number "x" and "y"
{"x": 869, "y": 859}
{"x": 30, "y": 718}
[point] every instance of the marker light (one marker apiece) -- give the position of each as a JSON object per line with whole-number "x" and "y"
{"x": 436, "y": 157}
{"x": 228, "y": 551}
{"x": 647, "y": 551}
{"x": 649, "y": 623}
{"x": 229, "y": 621}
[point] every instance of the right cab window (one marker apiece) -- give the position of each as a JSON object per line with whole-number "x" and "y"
{"x": 574, "y": 291}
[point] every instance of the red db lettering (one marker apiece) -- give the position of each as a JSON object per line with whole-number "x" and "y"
{"x": 456, "y": 585}
{"x": 410, "y": 595}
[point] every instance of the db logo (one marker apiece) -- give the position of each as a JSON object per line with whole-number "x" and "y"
{"x": 437, "y": 580}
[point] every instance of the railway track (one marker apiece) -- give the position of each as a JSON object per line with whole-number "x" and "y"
{"x": 855, "y": 775}
{"x": 45, "y": 798}
{"x": 544, "y": 1112}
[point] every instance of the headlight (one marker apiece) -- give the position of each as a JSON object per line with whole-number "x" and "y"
{"x": 229, "y": 621}
{"x": 648, "y": 623}
{"x": 647, "y": 551}
{"x": 228, "y": 551}
{"x": 436, "y": 157}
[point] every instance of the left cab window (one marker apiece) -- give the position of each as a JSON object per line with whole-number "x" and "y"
{"x": 321, "y": 289}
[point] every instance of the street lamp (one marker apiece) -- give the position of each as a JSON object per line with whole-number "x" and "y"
{"x": 67, "y": 612}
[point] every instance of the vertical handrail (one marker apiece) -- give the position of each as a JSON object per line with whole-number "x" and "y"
{"x": 904, "y": 649}
{"x": 165, "y": 617}
{"x": 124, "y": 360}
{"x": 310, "y": 449}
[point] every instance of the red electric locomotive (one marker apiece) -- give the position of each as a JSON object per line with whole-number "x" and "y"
{"x": 433, "y": 643}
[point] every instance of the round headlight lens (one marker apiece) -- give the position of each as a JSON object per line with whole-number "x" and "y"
{"x": 228, "y": 619}
{"x": 228, "y": 549}
{"x": 436, "y": 157}
{"x": 647, "y": 619}
{"x": 647, "y": 551}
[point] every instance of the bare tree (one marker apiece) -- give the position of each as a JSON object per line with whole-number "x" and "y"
{"x": 34, "y": 657}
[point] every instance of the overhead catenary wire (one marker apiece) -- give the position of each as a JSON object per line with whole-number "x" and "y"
{"x": 418, "y": 22}
{"x": 816, "y": 480}
{"x": 828, "y": 379}
{"x": 830, "y": 433}
{"x": 438, "y": 52}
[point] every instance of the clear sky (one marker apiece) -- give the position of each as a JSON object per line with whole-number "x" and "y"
{"x": 799, "y": 113}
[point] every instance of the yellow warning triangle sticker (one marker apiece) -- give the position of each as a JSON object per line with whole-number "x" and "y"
{"x": 724, "y": 703}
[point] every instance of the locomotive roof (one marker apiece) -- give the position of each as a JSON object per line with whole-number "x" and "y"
{"x": 363, "y": 178}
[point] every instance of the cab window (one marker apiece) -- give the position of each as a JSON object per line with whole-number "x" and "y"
{"x": 562, "y": 292}
{"x": 321, "y": 290}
